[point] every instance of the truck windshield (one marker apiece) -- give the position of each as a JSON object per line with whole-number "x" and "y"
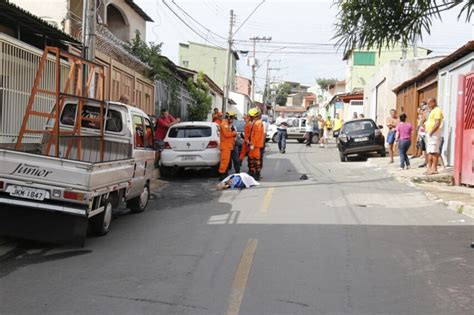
{"x": 190, "y": 132}
{"x": 114, "y": 118}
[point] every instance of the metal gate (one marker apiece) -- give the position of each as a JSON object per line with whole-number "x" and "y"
{"x": 464, "y": 156}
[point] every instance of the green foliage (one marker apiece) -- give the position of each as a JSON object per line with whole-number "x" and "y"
{"x": 150, "y": 54}
{"x": 200, "y": 93}
{"x": 325, "y": 83}
{"x": 385, "y": 23}
{"x": 282, "y": 93}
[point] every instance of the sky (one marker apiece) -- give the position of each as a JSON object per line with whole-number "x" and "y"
{"x": 301, "y": 49}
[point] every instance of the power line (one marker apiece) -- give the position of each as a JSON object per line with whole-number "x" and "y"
{"x": 189, "y": 26}
{"x": 196, "y": 21}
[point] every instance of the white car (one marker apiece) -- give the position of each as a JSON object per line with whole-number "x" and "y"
{"x": 190, "y": 145}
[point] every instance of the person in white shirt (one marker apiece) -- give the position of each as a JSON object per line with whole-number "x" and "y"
{"x": 282, "y": 125}
{"x": 309, "y": 130}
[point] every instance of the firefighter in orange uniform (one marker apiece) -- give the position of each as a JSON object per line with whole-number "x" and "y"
{"x": 216, "y": 116}
{"x": 255, "y": 143}
{"x": 228, "y": 136}
{"x": 245, "y": 146}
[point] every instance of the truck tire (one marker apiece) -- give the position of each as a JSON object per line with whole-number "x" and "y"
{"x": 100, "y": 224}
{"x": 315, "y": 138}
{"x": 139, "y": 203}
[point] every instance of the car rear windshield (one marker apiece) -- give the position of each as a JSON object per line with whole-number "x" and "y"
{"x": 113, "y": 122}
{"x": 190, "y": 132}
{"x": 362, "y": 125}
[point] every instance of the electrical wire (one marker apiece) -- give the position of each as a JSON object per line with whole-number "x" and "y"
{"x": 196, "y": 21}
{"x": 189, "y": 26}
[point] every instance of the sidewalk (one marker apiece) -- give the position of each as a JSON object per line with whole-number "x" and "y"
{"x": 436, "y": 187}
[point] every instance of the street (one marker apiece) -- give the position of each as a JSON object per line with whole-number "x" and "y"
{"x": 348, "y": 240}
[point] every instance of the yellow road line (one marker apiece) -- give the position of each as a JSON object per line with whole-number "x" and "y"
{"x": 267, "y": 199}
{"x": 240, "y": 279}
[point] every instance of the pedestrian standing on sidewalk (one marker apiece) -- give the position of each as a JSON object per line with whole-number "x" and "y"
{"x": 321, "y": 125}
{"x": 327, "y": 128}
{"x": 425, "y": 111}
{"x": 282, "y": 126}
{"x": 392, "y": 123}
{"x": 338, "y": 122}
{"x": 309, "y": 130}
{"x": 433, "y": 127}
{"x": 403, "y": 137}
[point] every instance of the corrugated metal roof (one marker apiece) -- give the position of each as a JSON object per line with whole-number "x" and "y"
{"x": 35, "y": 24}
{"x": 458, "y": 54}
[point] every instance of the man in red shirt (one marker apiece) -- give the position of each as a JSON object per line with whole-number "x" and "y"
{"x": 163, "y": 123}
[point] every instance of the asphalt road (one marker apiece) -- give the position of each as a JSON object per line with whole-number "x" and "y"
{"x": 348, "y": 240}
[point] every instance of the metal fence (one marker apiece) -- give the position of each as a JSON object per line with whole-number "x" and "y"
{"x": 18, "y": 65}
{"x": 163, "y": 100}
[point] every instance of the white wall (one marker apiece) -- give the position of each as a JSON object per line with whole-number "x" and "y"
{"x": 448, "y": 84}
{"x": 378, "y": 95}
{"x": 242, "y": 106}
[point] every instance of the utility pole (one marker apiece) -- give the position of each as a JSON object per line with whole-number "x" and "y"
{"x": 254, "y": 61}
{"x": 89, "y": 18}
{"x": 227, "y": 63}
{"x": 267, "y": 80}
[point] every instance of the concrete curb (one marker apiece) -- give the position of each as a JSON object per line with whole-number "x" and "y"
{"x": 457, "y": 206}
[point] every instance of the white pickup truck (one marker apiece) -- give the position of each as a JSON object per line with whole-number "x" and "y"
{"x": 88, "y": 188}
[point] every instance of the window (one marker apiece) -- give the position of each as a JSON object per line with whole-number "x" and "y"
{"x": 190, "y": 132}
{"x": 148, "y": 134}
{"x": 364, "y": 58}
{"x": 114, "y": 118}
{"x": 138, "y": 131}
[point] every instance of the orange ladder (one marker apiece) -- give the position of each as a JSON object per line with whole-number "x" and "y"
{"x": 83, "y": 76}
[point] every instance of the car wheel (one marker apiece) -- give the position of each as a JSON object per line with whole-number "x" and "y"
{"x": 167, "y": 171}
{"x": 275, "y": 138}
{"x": 139, "y": 203}
{"x": 315, "y": 138}
{"x": 343, "y": 157}
{"x": 100, "y": 224}
{"x": 383, "y": 153}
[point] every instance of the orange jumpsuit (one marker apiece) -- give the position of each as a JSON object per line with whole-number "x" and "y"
{"x": 256, "y": 142}
{"x": 245, "y": 145}
{"x": 227, "y": 145}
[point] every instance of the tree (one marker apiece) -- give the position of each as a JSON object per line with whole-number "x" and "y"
{"x": 149, "y": 54}
{"x": 199, "y": 91}
{"x": 325, "y": 83}
{"x": 282, "y": 93}
{"x": 385, "y": 23}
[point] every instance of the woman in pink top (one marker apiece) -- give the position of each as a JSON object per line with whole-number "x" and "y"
{"x": 403, "y": 137}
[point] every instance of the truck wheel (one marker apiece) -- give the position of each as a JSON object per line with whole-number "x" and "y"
{"x": 100, "y": 224}
{"x": 383, "y": 153}
{"x": 300, "y": 140}
{"x": 138, "y": 204}
{"x": 315, "y": 138}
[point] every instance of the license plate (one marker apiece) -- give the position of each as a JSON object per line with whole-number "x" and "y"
{"x": 28, "y": 193}
{"x": 361, "y": 139}
{"x": 188, "y": 158}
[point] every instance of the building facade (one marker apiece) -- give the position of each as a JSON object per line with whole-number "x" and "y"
{"x": 125, "y": 74}
{"x": 209, "y": 59}
{"x": 362, "y": 64}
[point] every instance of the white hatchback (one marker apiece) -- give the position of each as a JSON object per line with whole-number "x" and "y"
{"x": 190, "y": 145}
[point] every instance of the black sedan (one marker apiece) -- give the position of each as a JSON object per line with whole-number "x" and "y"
{"x": 360, "y": 136}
